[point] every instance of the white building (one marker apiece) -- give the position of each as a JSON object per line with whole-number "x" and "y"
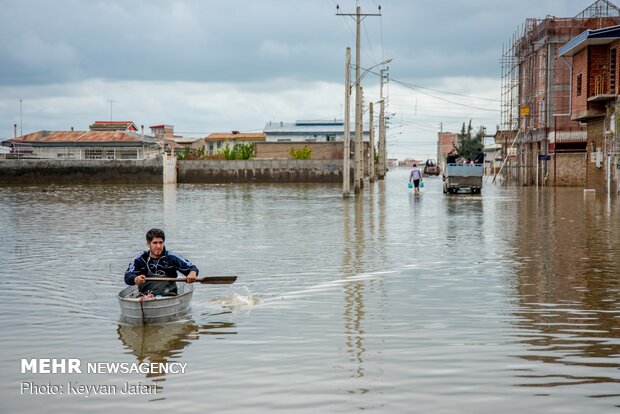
{"x": 310, "y": 131}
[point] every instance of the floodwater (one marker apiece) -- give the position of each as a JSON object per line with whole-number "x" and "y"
{"x": 392, "y": 303}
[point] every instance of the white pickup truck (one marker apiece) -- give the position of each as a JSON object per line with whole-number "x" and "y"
{"x": 462, "y": 178}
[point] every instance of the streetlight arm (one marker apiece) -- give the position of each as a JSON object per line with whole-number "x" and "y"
{"x": 385, "y": 62}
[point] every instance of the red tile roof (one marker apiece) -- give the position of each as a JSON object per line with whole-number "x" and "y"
{"x": 78, "y": 136}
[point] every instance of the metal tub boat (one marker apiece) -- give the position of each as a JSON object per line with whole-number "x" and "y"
{"x": 160, "y": 309}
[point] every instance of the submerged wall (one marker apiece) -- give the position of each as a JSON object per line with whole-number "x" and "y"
{"x": 265, "y": 171}
{"x": 151, "y": 171}
{"x": 69, "y": 172}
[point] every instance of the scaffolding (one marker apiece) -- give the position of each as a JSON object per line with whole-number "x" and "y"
{"x": 533, "y": 77}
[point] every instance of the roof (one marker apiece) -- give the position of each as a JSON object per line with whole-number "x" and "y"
{"x": 240, "y": 136}
{"x": 79, "y": 137}
{"x": 162, "y": 126}
{"x": 589, "y": 38}
{"x": 113, "y": 126}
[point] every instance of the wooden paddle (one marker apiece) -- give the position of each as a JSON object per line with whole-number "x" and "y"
{"x": 209, "y": 280}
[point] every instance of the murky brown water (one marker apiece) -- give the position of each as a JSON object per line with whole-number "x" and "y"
{"x": 506, "y": 302}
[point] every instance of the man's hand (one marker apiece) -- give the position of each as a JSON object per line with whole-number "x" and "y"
{"x": 191, "y": 277}
{"x": 139, "y": 280}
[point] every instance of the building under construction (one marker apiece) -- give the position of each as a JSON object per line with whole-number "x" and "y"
{"x": 541, "y": 144}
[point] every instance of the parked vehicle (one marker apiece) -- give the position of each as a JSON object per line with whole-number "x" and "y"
{"x": 463, "y": 178}
{"x": 431, "y": 167}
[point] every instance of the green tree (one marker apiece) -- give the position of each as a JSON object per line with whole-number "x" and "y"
{"x": 239, "y": 152}
{"x": 468, "y": 143}
{"x": 304, "y": 153}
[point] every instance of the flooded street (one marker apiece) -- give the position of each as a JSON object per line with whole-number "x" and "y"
{"x": 505, "y": 302}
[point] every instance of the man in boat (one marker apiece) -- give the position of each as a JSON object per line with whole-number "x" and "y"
{"x": 158, "y": 262}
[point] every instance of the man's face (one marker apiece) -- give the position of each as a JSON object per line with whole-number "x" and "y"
{"x": 156, "y": 247}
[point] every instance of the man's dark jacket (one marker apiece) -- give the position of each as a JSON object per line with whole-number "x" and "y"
{"x": 166, "y": 265}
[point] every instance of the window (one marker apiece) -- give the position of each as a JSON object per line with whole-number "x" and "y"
{"x": 98, "y": 154}
{"x": 578, "y": 84}
{"x": 128, "y": 154}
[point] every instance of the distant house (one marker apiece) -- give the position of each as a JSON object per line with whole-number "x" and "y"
{"x": 164, "y": 134}
{"x": 88, "y": 144}
{"x": 218, "y": 140}
{"x": 113, "y": 126}
{"x": 310, "y": 131}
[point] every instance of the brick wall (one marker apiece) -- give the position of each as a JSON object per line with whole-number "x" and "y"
{"x": 580, "y": 67}
{"x": 568, "y": 170}
{"x": 281, "y": 150}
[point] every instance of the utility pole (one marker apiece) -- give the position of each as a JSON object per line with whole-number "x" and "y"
{"x": 358, "y": 172}
{"x": 371, "y": 147}
{"x": 382, "y": 152}
{"x": 381, "y": 149}
{"x": 359, "y": 144}
{"x": 21, "y": 120}
{"x": 346, "y": 156}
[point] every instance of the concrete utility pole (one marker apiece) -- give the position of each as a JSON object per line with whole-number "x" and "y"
{"x": 358, "y": 172}
{"x": 371, "y": 147}
{"x": 346, "y": 156}
{"x": 381, "y": 150}
{"x": 359, "y": 143}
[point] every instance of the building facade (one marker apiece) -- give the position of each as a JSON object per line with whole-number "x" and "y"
{"x": 594, "y": 102}
{"x": 543, "y": 144}
{"x": 310, "y": 131}
{"x": 217, "y": 141}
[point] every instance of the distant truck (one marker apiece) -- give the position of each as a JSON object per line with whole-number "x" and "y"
{"x": 465, "y": 178}
{"x": 431, "y": 167}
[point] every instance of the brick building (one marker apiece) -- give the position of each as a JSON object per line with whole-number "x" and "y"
{"x": 594, "y": 101}
{"x": 542, "y": 143}
{"x": 446, "y": 141}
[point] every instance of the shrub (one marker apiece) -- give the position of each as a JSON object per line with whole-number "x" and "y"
{"x": 304, "y": 153}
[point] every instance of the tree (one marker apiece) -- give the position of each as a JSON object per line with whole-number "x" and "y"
{"x": 468, "y": 144}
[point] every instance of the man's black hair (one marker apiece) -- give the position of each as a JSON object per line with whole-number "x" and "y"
{"x": 151, "y": 234}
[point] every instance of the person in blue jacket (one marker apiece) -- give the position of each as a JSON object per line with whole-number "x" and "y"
{"x": 158, "y": 262}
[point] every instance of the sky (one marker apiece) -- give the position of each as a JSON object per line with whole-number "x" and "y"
{"x": 214, "y": 66}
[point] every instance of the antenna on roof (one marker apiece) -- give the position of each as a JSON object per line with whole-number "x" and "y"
{"x": 111, "y": 101}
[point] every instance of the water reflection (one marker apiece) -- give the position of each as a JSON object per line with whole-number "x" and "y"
{"x": 353, "y": 262}
{"x": 568, "y": 308}
{"x": 363, "y": 248}
{"x": 160, "y": 343}
{"x": 464, "y": 222}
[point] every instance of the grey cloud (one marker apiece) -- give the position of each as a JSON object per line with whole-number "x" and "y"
{"x": 70, "y": 40}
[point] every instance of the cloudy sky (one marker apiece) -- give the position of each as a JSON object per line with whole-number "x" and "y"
{"x": 211, "y": 66}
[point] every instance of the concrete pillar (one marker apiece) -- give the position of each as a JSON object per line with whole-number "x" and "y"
{"x": 170, "y": 169}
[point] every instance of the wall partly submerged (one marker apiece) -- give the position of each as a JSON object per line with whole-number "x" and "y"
{"x": 83, "y": 172}
{"x": 78, "y": 172}
{"x": 263, "y": 171}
